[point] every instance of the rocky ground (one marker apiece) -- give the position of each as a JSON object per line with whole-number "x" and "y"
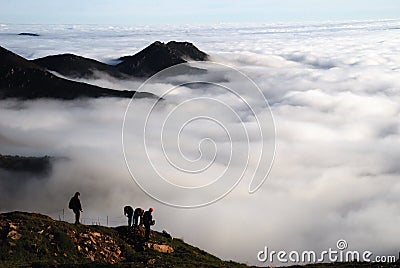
{"x": 34, "y": 240}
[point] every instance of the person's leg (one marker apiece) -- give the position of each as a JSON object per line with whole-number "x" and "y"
{"x": 129, "y": 220}
{"x": 147, "y": 232}
{"x": 134, "y": 220}
{"x": 77, "y": 216}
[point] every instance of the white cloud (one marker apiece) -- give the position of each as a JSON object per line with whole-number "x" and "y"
{"x": 334, "y": 92}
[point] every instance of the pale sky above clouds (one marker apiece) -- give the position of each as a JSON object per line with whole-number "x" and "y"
{"x": 182, "y": 12}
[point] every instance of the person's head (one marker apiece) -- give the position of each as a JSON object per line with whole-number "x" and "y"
{"x": 151, "y": 209}
{"x": 77, "y": 194}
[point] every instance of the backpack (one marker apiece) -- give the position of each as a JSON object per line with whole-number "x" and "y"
{"x": 146, "y": 218}
{"x": 71, "y": 205}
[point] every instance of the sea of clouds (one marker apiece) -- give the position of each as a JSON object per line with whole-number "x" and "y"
{"x": 334, "y": 92}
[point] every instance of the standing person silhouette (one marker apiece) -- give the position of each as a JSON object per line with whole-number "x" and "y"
{"x": 75, "y": 205}
{"x": 148, "y": 221}
{"x": 128, "y": 211}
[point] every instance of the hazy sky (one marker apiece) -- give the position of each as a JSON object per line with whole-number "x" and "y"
{"x": 206, "y": 11}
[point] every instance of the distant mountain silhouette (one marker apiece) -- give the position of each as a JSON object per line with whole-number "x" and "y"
{"x": 34, "y": 165}
{"x": 22, "y": 79}
{"x": 76, "y": 66}
{"x": 159, "y": 56}
{"x": 145, "y": 63}
{"x": 29, "y": 34}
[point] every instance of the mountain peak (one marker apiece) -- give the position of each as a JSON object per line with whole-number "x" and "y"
{"x": 150, "y": 60}
{"x": 158, "y": 56}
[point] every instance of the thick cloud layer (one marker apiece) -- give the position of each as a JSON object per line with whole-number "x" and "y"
{"x": 334, "y": 91}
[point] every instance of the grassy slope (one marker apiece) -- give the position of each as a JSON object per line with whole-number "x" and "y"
{"x": 28, "y": 239}
{"x": 34, "y": 240}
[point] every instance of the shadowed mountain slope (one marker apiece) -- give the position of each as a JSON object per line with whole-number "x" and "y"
{"x": 22, "y": 79}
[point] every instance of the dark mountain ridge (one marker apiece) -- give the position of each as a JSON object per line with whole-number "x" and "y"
{"x": 145, "y": 63}
{"x": 33, "y": 165}
{"x": 23, "y": 79}
{"x": 159, "y": 56}
{"x": 76, "y": 66}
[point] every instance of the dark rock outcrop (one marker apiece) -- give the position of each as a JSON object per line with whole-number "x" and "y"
{"x": 22, "y": 79}
{"x": 76, "y": 66}
{"x": 159, "y": 56}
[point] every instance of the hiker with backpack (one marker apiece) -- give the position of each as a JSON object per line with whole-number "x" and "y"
{"x": 75, "y": 205}
{"x": 138, "y": 215}
{"x": 148, "y": 221}
{"x": 128, "y": 212}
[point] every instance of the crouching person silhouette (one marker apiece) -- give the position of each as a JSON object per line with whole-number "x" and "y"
{"x": 138, "y": 217}
{"x": 128, "y": 212}
{"x": 75, "y": 205}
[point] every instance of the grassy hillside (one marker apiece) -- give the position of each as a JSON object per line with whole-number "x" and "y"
{"x": 34, "y": 240}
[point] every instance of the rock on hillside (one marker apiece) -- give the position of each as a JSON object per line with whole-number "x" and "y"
{"x": 34, "y": 240}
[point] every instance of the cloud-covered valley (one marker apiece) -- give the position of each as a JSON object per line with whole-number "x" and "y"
{"x": 334, "y": 92}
